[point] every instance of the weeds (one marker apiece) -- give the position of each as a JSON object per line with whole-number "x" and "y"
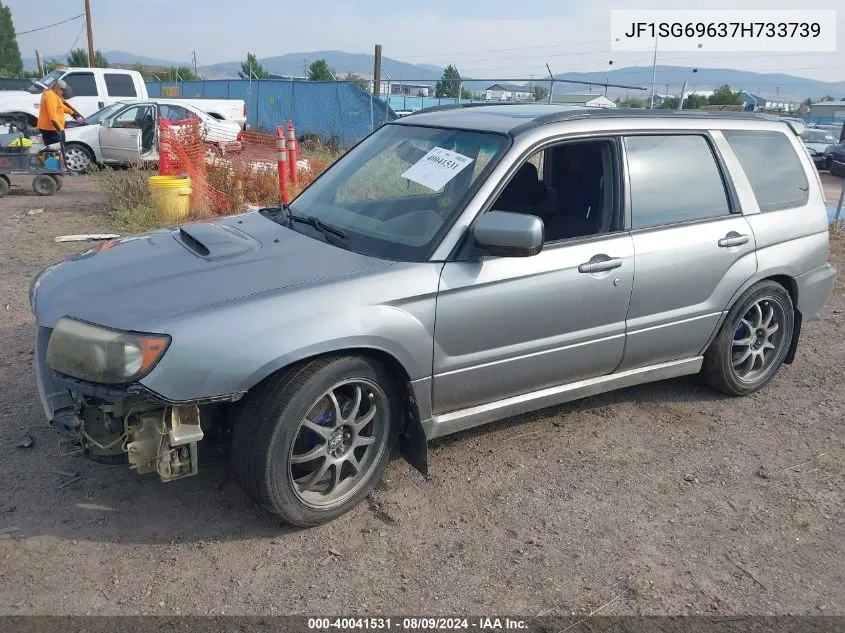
{"x": 130, "y": 206}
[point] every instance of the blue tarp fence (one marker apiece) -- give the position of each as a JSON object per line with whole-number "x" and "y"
{"x": 331, "y": 110}
{"x": 403, "y": 102}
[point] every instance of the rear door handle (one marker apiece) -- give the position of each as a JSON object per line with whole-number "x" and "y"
{"x": 734, "y": 239}
{"x": 600, "y": 266}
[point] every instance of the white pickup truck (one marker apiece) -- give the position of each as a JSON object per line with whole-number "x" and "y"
{"x": 95, "y": 88}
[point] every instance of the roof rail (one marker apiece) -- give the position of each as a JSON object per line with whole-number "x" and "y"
{"x": 557, "y": 117}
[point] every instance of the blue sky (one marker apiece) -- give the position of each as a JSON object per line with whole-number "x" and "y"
{"x": 570, "y": 35}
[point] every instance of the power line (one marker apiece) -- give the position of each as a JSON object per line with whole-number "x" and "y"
{"x": 50, "y": 26}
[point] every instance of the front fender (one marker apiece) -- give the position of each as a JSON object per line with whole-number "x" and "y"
{"x": 229, "y": 348}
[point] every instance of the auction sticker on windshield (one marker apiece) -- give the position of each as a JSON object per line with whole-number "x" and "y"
{"x": 437, "y": 168}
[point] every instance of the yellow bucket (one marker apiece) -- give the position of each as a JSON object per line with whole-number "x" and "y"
{"x": 171, "y": 196}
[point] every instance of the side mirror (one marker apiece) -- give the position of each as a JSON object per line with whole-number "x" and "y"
{"x": 508, "y": 234}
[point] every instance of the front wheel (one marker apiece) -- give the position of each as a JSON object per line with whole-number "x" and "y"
{"x": 313, "y": 441}
{"x": 752, "y": 342}
{"x": 78, "y": 158}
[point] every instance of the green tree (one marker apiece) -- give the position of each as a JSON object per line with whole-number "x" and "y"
{"x": 450, "y": 85}
{"x": 541, "y": 93}
{"x": 466, "y": 94}
{"x": 631, "y": 102}
{"x": 252, "y": 69}
{"x": 78, "y": 58}
{"x": 723, "y": 95}
{"x": 320, "y": 71}
{"x": 180, "y": 73}
{"x": 11, "y": 64}
{"x": 363, "y": 84}
{"x": 670, "y": 103}
{"x": 50, "y": 65}
{"x": 695, "y": 102}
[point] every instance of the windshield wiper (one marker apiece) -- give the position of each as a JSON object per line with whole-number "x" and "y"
{"x": 285, "y": 216}
{"x": 325, "y": 229}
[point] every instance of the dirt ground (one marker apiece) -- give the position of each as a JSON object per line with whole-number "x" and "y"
{"x": 661, "y": 499}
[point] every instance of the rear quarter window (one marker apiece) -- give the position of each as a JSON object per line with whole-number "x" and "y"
{"x": 120, "y": 85}
{"x": 773, "y": 169}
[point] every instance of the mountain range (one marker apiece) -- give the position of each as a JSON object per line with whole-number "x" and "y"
{"x": 773, "y": 86}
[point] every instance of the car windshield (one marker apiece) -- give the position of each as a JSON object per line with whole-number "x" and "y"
{"x": 99, "y": 115}
{"x": 396, "y": 193}
{"x": 46, "y": 80}
{"x": 818, "y": 136}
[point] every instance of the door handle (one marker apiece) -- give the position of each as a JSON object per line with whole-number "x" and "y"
{"x": 734, "y": 239}
{"x": 600, "y": 266}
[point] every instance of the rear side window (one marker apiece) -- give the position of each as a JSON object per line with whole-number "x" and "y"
{"x": 120, "y": 85}
{"x": 773, "y": 169}
{"x": 673, "y": 178}
{"x": 81, "y": 84}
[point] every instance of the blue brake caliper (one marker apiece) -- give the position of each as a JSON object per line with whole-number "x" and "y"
{"x": 324, "y": 419}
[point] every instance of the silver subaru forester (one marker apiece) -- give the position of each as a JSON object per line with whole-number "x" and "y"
{"x": 459, "y": 265}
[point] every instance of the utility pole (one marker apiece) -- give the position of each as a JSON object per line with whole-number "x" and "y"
{"x": 653, "y": 72}
{"x": 38, "y": 63}
{"x": 194, "y": 53}
{"x": 91, "y": 57}
{"x": 377, "y": 72}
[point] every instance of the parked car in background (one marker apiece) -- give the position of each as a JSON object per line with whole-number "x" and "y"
{"x": 127, "y": 133}
{"x": 817, "y": 143}
{"x": 835, "y": 159}
{"x": 833, "y": 128}
{"x": 93, "y": 88}
{"x": 434, "y": 279}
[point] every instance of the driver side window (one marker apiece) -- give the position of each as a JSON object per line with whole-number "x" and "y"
{"x": 571, "y": 186}
{"x": 131, "y": 117}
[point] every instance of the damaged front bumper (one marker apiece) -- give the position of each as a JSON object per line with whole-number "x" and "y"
{"x": 114, "y": 425}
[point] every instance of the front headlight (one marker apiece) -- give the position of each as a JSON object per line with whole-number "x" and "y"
{"x": 97, "y": 354}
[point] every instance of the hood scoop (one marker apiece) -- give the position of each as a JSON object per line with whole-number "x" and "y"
{"x": 215, "y": 241}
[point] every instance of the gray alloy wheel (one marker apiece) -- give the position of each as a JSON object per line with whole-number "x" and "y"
{"x": 753, "y": 341}
{"x": 78, "y": 159}
{"x": 311, "y": 441}
{"x": 757, "y": 339}
{"x": 339, "y": 443}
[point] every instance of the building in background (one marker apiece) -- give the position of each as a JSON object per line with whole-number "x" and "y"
{"x": 586, "y": 100}
{"x": 827, "y": 112}
{"x": 411, "y": 90}
{"x": 509, "y": 92}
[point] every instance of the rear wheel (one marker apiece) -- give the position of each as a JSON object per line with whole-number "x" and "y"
{"x": 311, "y": 443}
{"x": 752, "y": 342}
{"x": 59, "y": 182}
{"x": 44, "y": 185}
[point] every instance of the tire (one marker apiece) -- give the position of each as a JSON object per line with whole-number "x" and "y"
{"x": 44, "y": 185}
{"x": 78, "y": 158}
{"x": 59, "y": 182}
{"x": 271, "y": 442}
{"x": 828, "y": 163}
{"x": 4, "y": 186}
{"x": 739, "y": 361}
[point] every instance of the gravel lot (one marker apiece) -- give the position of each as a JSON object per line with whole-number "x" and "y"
{"x": 666, "y": 498}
